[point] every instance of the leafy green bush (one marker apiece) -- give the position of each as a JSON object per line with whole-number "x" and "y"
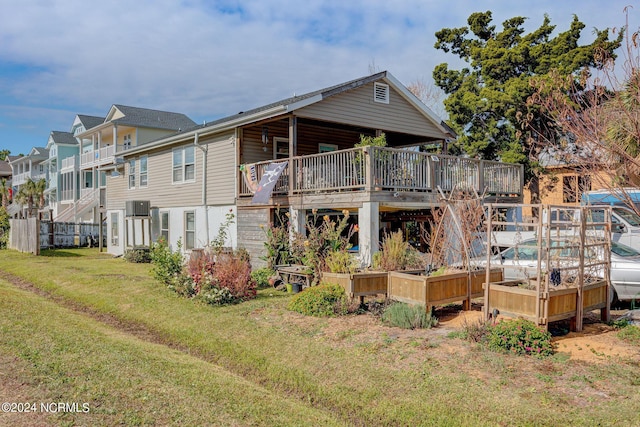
{"x": 216, "y": 296}
{"x": 519, "y": 336}
{"x": 183, "y": 285}
{"x": 261, "y": 276}
{"x": 167, "y": 264}
{"x": 4, "y": 228}
{"x": 319, "y": 301}
{"x": 140, "y": 256}
{"x": 408, "y": 316}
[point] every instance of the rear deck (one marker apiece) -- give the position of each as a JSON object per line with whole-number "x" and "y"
{"x": 395, "y": 177}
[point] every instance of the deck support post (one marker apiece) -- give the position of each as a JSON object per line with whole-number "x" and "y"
{"x": 369, "y": 226}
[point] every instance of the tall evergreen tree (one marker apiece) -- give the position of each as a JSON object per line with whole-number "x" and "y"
{"x": 486, "y": 101}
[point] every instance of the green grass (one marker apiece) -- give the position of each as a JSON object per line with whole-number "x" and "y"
{"x": 284, "y": 357}
{"x": 124, "y": 380}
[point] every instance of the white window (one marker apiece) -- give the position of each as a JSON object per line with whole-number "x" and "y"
{"x": 381, "y": 93}
{"x": 189, "y": 230}
{"x": 114, "y": 229}
{"x": 127, "y": 141}
{"x": 143, "y": 171}
{"x": 132, "y": 173}
{"x": 164, "y": 226}
{"x": 184, "y": 164}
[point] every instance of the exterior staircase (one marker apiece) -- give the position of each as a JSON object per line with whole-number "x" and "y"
{"x": 82, "y": 205}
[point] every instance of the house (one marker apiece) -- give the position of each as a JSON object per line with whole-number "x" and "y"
{"x": 30, "y": 167}
{"x": 5, "y": 170}
{"x": 60, "y": 191}
{"x": 100, "y": 142}
{"x": 565, "y": 177}
{"x": 183, "y": 185}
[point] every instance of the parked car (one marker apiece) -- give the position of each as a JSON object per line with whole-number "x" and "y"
{"x": 521, "y": 262}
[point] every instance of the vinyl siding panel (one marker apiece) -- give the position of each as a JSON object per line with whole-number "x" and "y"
{"x": 358, "y": 108}
{"x": 116, "y": 191}
{"x": 162, "y": 192}
{"x": 222, "y": 172}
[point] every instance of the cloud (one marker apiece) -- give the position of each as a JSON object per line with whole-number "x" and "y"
{"x": 213, "y": 58}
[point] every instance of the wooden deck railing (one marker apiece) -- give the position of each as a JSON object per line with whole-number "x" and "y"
{"x": 392, "y": 169}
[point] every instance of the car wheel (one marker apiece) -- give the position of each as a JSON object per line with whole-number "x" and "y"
{"x": 613, "y": 297}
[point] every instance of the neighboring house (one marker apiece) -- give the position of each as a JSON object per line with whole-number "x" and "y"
{"x": 101, "y": 142}
{"x": 60, "y": 191}
{"x": 5, "y": 169}
{"x": 32, "y": 166}
{"x": 182, "y": 186}
{"x": 564, "y": 178}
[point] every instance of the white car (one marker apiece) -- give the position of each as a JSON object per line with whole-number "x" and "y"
{"x": 520, "y": 262}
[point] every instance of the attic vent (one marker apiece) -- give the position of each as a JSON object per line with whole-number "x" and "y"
{"x": 381, "y": 93}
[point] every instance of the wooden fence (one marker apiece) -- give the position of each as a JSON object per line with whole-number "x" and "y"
{"x": 31, "y": 235}
{"x": 24, "y": 235}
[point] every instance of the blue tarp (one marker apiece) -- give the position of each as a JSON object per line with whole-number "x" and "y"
{"x": 612, "y": 198}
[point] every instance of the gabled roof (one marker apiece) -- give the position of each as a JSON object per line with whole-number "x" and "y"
{"x": 143, "y": 117}
{"x": 39, "y": 152}
{"x": 36, "y": 153}
{"x": 60, "y": 137}
{"x": 293, "y": 103}
{"x": 5, "y": 169}
{"x": 300, "y": 101}
{"x": 90, "y": 121}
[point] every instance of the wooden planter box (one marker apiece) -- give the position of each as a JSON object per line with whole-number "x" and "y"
{"x": 432, "y": 291}
{"x": 359, "y": 284}
{"x": 513, "y": 301}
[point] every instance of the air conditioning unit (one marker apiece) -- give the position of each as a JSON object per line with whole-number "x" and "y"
{"x": 137, "y": 208}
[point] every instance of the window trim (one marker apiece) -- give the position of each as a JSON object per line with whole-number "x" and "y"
{"x": 163, "y": 230}
{"x": 115, "y": 225}
{"x": 131, "y": 176}
{"x": 187, "y": 246}
{"x": 145, "y": 173}
{"x": 183, "y": 165}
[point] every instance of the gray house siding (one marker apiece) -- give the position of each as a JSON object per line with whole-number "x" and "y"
{"x": 357, "y": 107}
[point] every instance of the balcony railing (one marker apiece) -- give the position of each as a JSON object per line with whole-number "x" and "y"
{"x": 97, "y": 157}
{"x": 390, "y": 169}
{"x": 69, "y": 164}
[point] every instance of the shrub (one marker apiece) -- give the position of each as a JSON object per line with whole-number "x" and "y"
{"x": 167, "y": 264}
{"x": 396, "y": 254}
{"x": 319, "y": 301}
{"x": 474, "y": 331}
{"x": 519, "y": 336}
{"x": 233, "y": 271}
{"x": 183, "y": 285}
{"x": 4, "y": 228}
{"x": 408, "y": 316}
{"x": 261, "y": 276}
{"x": 216, "y": 296}
{"x": 341, "y": 262}
{"x": 140, "y": 256}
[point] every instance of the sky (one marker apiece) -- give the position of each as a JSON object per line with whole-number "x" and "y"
{"x": 210, "y": 59}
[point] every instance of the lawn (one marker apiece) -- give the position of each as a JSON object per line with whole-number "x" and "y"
{"x": 106, "y": 333}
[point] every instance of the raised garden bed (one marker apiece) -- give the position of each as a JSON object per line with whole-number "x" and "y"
{"x": 363, "y": 283}
{"x": 359, "y": 284}
{"x": 437, "y": 290}
{"x": 512, "y": 300}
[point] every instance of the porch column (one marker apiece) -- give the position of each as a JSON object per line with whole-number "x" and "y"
{"x": 369, "y": 226}
{"x": 298, "y": 221}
